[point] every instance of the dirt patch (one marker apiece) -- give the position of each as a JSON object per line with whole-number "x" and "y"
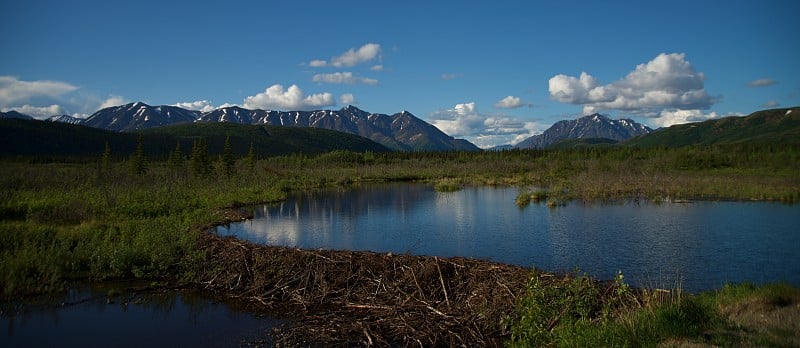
{"x": 351, "y": 298}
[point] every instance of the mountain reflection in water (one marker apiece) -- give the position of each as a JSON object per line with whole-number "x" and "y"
{"x": 697, "y": 246}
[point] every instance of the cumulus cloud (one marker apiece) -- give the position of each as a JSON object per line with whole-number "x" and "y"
{"x": 484, "y": 130}
{"x": 352, "y": 57}
{"x": 668, "y": 118}
{"x": 199, "y": 105}
{"x": 510, "y": 102}
{"x": 113, "y": 100}
{"x": 668, "y": 82}
{"x": 378, "y": 67}
{"x": 13, "y": 90}
{"x": 38, "y": 112}
{"x": 293, "y": 98}
{"x": 451, "y": 76}
{"x": 347, "y": 99}
{"x": 343, "y": 77}
{"x": 761, "y": 83}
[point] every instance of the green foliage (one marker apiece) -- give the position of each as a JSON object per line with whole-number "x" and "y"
{"x": 201, "y": 164}
{"x": 59, "y": 140}
{"x": 176, "y": 161}
{"x": 526, "y": 195}
{"x": 138, "y": 162}
{"x": 251, "y": 160}
{"x": 762, "y": 127}
{"x": 448, "y": 185}
{"x": 105, "y": 159}
{"x": 581, "y": 143}
{"x": 573, "y": 311}
{"x": 56, "y": 224}
{"x": 228, "y": 160}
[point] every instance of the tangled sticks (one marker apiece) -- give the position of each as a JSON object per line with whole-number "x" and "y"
{"x": 363, "y": 298}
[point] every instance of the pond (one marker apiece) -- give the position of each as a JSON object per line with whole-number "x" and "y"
{"x": 696, "y": 246}
{"x": 88, "y": 316}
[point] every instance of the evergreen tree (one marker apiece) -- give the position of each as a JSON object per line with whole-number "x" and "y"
{"x": 175, "y": 160}
{"x": 105, "y": 161}
{"x": 228, "y": 160}
{"x": 251, "y": 159}
{"x": 201, "y": 165}
{"x": 138, "y": 163}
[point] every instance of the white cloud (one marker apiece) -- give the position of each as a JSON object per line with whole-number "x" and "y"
{"x": 226, "y": 105}
{"x": 672, "y": 117}
{"x": 38, "y": 112}
{"x": 465, "y": 121}
{"x": 347, "y": 99}
{"x": 668, "y": 82}
{"x": 771, "y": 104}
{"x": 510, "y": 102}
{"x": 352, "y": 57}
{"x": 13, "y": 90}
{"x": 378, "y": 67}
{"x": 317, "y": 63}
{"x": 199, "y": 105}
{"x": 293, "y": 98}
{"x": 451, "y": 76}
{"x": 761, "y": 83}
{"x": 113, "y": 100}
{"x": 343, "y": 77}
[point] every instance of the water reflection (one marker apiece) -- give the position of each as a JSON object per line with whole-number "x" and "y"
{"x": 86, "y": 316}
{"x": 697, "y": 246}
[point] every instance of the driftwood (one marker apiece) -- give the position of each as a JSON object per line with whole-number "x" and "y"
{"x": 346, "y": 298}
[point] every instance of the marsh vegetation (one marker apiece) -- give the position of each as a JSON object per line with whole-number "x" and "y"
{"x": 119, "y": 216}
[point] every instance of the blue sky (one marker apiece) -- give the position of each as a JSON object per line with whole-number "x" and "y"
{"x": 491, "y": 72}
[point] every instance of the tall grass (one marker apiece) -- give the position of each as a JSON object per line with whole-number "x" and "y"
{"x": 95, "y": 218}
{"x": 64, "y": 221}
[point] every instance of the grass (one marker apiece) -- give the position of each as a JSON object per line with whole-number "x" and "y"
{"x": 576, "y": 311}
{"x": 448, "y": 185}
{"x": 78, "y": 219}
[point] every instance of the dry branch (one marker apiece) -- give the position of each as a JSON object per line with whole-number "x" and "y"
{"x": 346, "y": 298}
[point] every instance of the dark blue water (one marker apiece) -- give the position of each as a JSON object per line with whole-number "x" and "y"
{"x": 697, "y": 246}
{"x": 90, "y": 319}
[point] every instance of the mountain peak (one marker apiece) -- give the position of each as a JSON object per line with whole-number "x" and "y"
{"x": 350, "y": 107}
{"x": 590, "y": 126}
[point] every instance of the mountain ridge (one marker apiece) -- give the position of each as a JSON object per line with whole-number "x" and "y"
{"x": 590, "y": 126}
{"x": 780, "y": 125}
{"x": 401, "y": 131}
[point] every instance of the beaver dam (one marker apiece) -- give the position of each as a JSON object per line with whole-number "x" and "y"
{"x": 348, "y": 297}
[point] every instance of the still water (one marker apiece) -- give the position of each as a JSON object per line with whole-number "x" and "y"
{"x": 697, "y": 246}
{"x": 88, "y": 317}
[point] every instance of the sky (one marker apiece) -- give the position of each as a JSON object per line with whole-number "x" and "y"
{"x": 490, "y": 72}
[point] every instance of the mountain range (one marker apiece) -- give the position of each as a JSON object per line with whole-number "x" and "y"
{"x": 404, "y": 132}
{"x": 401, "y": 131}
{"x": 586, "y": 127}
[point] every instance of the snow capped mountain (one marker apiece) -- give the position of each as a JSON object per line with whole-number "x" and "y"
{"x": 135, "y": 116}
{"x": 591, "y": 126}
{"x": 402, "y": 131}
{"x": 65, "y": 119}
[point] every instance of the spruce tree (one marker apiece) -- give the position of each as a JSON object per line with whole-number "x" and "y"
{"x": 105, "y": 161}
{"x": 251, "y": 160}
{"x": 228, "y": 160}
{"x": 175, "y": 160}
{"x": 138, "y": 163}
{"x": 201, "y": 165}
